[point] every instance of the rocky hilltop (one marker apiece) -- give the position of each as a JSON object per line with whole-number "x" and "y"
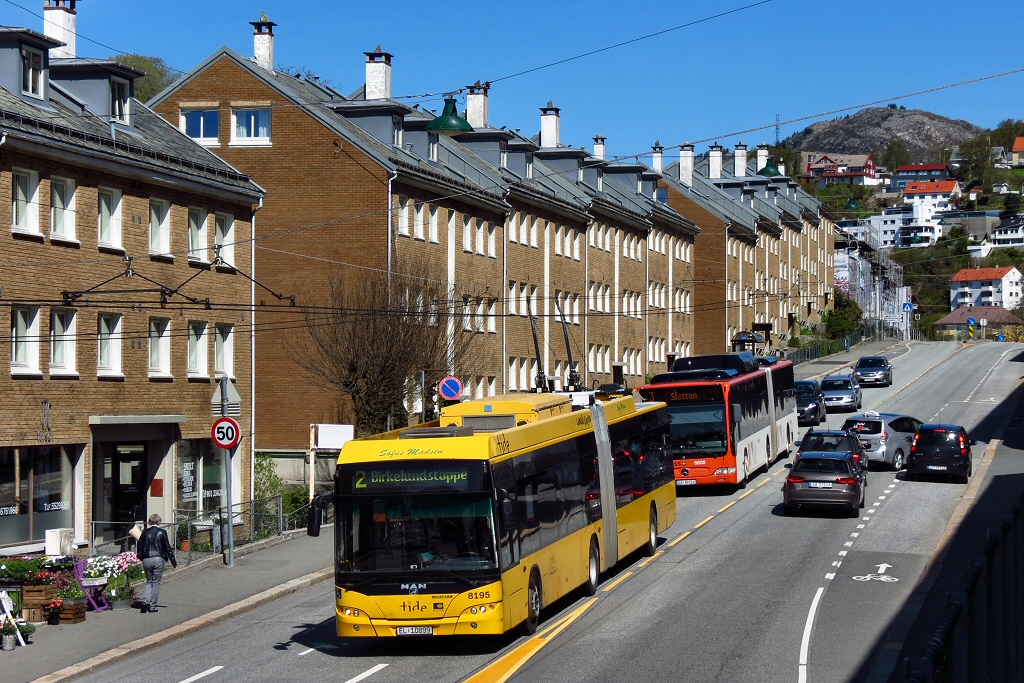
{"x": 923, "y": 133}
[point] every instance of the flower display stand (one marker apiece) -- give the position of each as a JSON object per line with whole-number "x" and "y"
{"x": 73, "y": 611}
{"x": 33, "y": 614}
{"x": 37, "y": 597}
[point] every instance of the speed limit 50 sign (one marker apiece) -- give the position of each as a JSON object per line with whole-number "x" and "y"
{"x": 226, "y": 432}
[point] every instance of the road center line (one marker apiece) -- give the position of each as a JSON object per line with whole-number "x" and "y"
{"x": 726, "y": 507}
{"x": 805, "y": 641}
{"x": 679, "y": 538}
{"x": 650, "y": 559}
{"x": 617, "y": 581}
{"x": 209, "y": 671}
{"x": 705, "y": 521}
{"x": 366, "y": 674}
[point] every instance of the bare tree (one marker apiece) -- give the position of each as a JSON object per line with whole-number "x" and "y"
{"x": 372, "y": 336}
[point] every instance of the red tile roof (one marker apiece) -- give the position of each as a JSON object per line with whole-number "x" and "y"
{"x": 993, "y": 315}
{"x": 976, "y": 274}
{"x": 1018, "y": 145}
{"x": 931, "y": 187}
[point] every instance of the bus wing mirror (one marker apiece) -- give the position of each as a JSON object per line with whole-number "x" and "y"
{"x": 737, "y": 413}
{"x": 315, "y": 516}
{"x": 508, "y": 509}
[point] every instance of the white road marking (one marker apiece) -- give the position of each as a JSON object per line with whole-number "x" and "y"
{"x": 848, "y": 544}
{"x": 861, "y": 526}
{"x": 837, "y": 563}
{"x": 312, "y": 649}
{"x": 211, "y": 670}
{"x": 830, "y": 576}
{"x": 881, "y": 498}
{"x": 842, "y": 553}
{"x": 805, "y": 641}
{"x": 366, "y": 674}
{"x": 855, "y": 534}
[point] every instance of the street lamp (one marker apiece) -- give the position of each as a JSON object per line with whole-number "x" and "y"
{"x": 449, "y": 122}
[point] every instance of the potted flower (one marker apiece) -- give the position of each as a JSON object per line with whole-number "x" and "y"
{"x": 52, "y": 611}
{"x": 9, "y": 633}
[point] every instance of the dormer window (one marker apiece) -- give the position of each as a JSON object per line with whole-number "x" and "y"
{"x": 119, "y": 100}
{"x": 396, "y": 131}
{"x": 432, "y": 143}
{"x": 600, "y": 180}
{"x": 529, "y": 166}
{"x": 503, "y": 156}
{"x": 32, "y": 72}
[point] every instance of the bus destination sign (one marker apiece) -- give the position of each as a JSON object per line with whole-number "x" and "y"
{"x": 699, "y": 393}
{"x": 415, "y": 477}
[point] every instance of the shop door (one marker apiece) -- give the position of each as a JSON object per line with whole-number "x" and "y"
{"x": 123, "y": 487}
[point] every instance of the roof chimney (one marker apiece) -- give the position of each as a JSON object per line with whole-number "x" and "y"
{"x": 60, "y": 19}
{"x": 740, "y": 161}
{"x": 549, "y": 126}
{"x": 715, "y": 161}
{"x": 378, "y": 75}
{"x": 599, "y": 147}
{"x": 657, "y": 160}
{"x": 263, "y": 42}
{"x": 476, "y": 104}
{"x": 762, "y": 156}
{"x": 686, "y": 164}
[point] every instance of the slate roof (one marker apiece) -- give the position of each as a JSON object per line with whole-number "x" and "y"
{"x": 914, "y": 168}
{"x": 153, "y": 146}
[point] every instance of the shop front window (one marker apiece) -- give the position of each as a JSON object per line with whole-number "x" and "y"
{"x": 35, "y": 492}
{"x": 200, "y": 476}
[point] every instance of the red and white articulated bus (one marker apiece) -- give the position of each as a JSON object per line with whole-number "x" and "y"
{"x": 732, "y": 415}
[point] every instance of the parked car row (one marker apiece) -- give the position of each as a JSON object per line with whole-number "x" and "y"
{"x": 830, "y": 467}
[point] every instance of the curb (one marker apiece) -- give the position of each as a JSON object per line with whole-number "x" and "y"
{"x": 189, "y": 627}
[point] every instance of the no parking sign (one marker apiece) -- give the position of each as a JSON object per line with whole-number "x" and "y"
{"x": 450, "y": 388}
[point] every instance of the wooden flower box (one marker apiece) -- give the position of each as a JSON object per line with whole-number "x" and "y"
{"x": 73, "y": 611}
{"x": 38, "y": 596}
{"x": 34, "y": 614}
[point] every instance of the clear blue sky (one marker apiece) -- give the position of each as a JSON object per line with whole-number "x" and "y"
{"x": 794, "y": 58}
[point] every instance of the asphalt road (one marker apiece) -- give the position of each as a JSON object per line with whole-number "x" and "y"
{"x": 738, "y": 592}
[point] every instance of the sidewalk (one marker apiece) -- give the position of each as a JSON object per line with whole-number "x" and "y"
{"x": 191, "y": 598}
{"x": 841, "y": 362}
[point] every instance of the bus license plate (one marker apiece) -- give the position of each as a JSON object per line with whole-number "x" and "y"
{"x": 937, "y": 467}
{"x": 820, "y": 484}
{"x": 415, "y": 630}
{"x": 686, "y": 482}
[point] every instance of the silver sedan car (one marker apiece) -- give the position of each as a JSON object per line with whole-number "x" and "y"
{"x": 842, "y": 392}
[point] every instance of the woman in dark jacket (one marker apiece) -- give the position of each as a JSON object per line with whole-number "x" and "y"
{"x": 154, "y": 549}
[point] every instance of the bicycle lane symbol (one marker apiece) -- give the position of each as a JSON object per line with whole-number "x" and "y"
{"x": 880, "y": 576}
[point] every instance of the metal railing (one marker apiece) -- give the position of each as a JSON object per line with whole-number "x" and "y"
{"x": 198, "y": 535}
{"x": 979, "y": 636}
{"x": 822, "y": 349}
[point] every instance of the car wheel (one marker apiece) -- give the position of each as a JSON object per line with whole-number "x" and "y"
{"x": 855, "y": 511}
{"x": 863, "y": 497}
{"x": 898, "y": 461}
{"x": 533, "y": 600}
{"x": 652, "y": 534}
{"x": 593, "y": 569}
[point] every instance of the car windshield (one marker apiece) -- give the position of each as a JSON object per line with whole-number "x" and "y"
{"x": 828, "y": 442}
{"x": 698, "y": 428}
{"x": 863, "y": 426}
{"x": 403, "y": 532}
{"x": 824, "y": 465}
{"x": 805, "y": 390}
{"x": 871, "y": 363}
{"x": 836, "y": 385}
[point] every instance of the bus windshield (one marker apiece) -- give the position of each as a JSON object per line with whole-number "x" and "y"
{"x": 698, "y": 428}
{"x": 410, "y": 532}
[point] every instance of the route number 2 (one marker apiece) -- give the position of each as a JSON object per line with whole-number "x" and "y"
{"x": 226, "y": 433}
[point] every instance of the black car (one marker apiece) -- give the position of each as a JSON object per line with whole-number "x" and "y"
{"x": 833, "y": 441}
{"x": 873, "y": 370}
{"x": 810, "y": 402}
{"x": 943, "y": 449}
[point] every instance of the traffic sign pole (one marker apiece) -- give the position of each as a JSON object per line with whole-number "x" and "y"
{"x": 228, "y": 452}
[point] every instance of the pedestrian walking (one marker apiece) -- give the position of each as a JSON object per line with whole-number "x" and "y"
{"x": 154, "y": 550}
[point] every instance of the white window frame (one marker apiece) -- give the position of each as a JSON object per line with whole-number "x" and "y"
{"x": 224, "y": 356}
{"x": 492, "y": 242}
{"x": 467, "y": 314}
{"x": 110, "y": 224}
{"x": 239, "y": 140}
{"x": 397, "y": 132}
{"x": 204, "y": 138}
{"x": 491, "y": 317}
{"x": 198, "y": 349}
{"x": 418, "y": 220}
{"x": 159, "y": 227}
{"x": 159, "y": 347}
{"x": 198, "y": 250}
{"x": 513, "y": 224}
{"x": 120, "y": 100}
{"x": 533, "y": 232}
{"x": 63, "y": 337}
{"x": 467, "y": 234}
{"x": 62, "y": 218}
{"x": 432, "y": 224}
{"x": 403, "y": 215}
{"x": 108, "y": 333}
{"x": 25, "y": 341}
{"x": 25, "y": 204}
{"x": 432, "y": 145}
{"x": 481, "y": 237}
{"x": 224, "y": 238}
{"x": 33, "y": 75}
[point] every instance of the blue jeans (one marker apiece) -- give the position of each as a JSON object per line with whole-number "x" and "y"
{"x": 154, "y": 567}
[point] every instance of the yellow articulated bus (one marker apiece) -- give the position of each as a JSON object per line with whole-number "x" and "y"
{"x": 473, "y": 523}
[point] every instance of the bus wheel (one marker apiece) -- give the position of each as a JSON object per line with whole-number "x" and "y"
{"x": 593, "y": 569}
{"x": 533, "y": 600}
{"x": 652, "y": 534}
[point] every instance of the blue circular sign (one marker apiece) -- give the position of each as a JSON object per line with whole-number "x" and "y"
{"x": 972, "y": 321}
{"x": 450, "y": 388}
